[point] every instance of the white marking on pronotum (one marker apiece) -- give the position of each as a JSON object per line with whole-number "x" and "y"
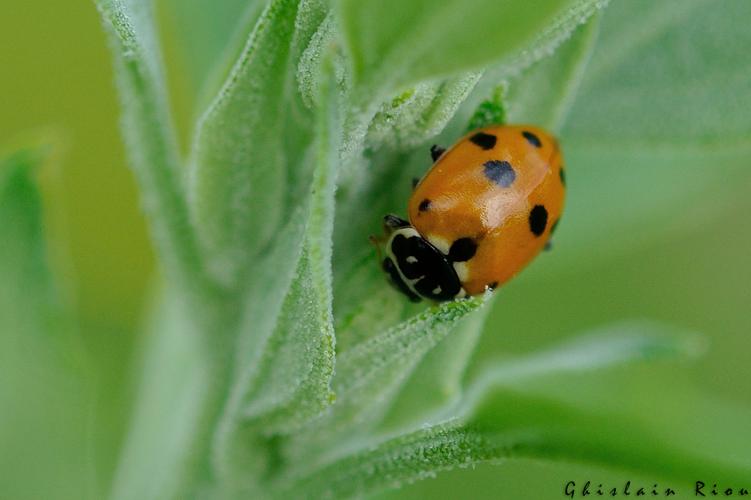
{"x": 441, "y": 244}
{"x": 462, "y": 271}
{"x": 407, "y": 232}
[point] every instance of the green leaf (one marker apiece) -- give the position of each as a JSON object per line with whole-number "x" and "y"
{"x": 292, "y": 385}
{"x": 370, "y": 191}
{"x": 287, "y": 382}
{"x": 45, "y": 393}
{"x": 174, "y": 397}
{"x": 249, "y": 411}
{"x": 372, "y": 90}
{"x": 23, "y": 252}
{"x": 420, "y": 40}
{"x": 150, "y": 138}
{"x": 553, "y": 429}
{"x": 360, "y": 287}
{"x": 544, "y": 93}
{"x": 390, "y": 464}
{"x": 244, "y": 162}
{"x": 609, "y": 346}
{"x": 309, "y": 58}
{"x": 206, "y": 45}
{"x": 677, "y": 109}
{"x": 675, "y": 77}
{"x": 359, "y": 295}
{"x": 369, "y": 374}
{"x": 415, "y": 117}
{"x": 491, "y": 111}
{"x": 205, "y": 314}
{"x": 537, "y": 428}
{"x": 274, "y": 271}
{"x": 419, "y": 113}
{"x": 437, "y": 380}
{"x": 499, "y": 419}
{"x": 299, "y": 361}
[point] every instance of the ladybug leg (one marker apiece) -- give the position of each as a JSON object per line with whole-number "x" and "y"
{"x": 377, "y": 242}
{"x": 436, "y": 151}
{"x": 391, "y": 222}
{"x": 548, "y": 246}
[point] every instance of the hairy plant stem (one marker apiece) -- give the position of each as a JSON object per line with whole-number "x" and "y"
{"x": 211, "y": 312}
{"x": 216, "y": 323}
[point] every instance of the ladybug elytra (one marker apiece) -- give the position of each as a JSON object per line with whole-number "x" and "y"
{"x": 483, "y": 211}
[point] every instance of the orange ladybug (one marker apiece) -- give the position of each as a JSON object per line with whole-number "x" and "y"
{"x": 487, "y": 206}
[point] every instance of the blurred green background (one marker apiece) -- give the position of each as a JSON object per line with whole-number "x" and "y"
{"x": 57, "y": 81}
{"x": 686, "y": 263}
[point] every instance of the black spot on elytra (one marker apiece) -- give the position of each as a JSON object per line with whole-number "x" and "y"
{"x": 424, "y": 205}
{"x": 485, "y": 141}
{"x": 436, "y": 151}
{"x": 532, "y": 139}
{"x": 538, "y": 220}
{"x": 462, "y": 250}
{"x": 562, "y": 173}
{"x": 428, "y": 266}
{"x": 500, "y": 172}
{"x": 396, "y": 280}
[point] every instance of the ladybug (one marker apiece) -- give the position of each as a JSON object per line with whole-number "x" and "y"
{"x": 486, "y": 207}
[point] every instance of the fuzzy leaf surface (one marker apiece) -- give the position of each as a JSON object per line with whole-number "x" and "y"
{"x": 500, "y": 419}
{"x": 673, "y": 80}
{"x": 421, "y": 40}
{"x": 369, "y": 374}
{"x": 545, "y": 92}
{"x": 207, "y": 44}
{"x": 150, "y": 136}
{"x": 239, "y": 167}
{"x": 287, "y": 380}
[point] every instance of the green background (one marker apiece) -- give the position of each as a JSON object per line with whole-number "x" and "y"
{"x": 57, "y": 79}
{"x": 691, "y": 268}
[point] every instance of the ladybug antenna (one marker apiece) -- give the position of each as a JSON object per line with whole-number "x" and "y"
{"x": 376, "y": 242}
